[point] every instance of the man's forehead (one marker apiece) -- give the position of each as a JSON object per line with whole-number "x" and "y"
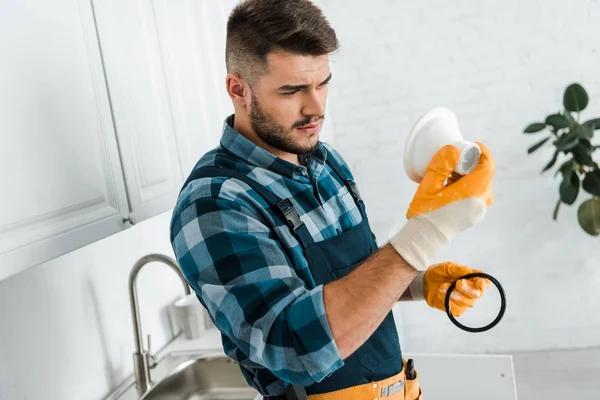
{"x": 299, "y": 68}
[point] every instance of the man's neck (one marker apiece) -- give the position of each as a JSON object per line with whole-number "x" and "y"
{"x": 243, "y": 126}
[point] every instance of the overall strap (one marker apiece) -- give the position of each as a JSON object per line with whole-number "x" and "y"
{"x": 350, "y": 184}
{"x": 284, "y": 208}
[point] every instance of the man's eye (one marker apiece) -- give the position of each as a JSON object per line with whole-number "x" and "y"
{"x": 290, "y": 93}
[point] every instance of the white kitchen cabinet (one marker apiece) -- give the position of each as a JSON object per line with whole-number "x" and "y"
{"x": 140, "y": 104}
{"x": 61, "y": 180}
{"x": 192, "y": 40}
{"x": 105, "y": 107}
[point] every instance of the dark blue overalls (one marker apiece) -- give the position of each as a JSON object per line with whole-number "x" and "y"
{"x": 380, "y": 356}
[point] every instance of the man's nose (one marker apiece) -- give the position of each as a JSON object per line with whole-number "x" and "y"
{"x": 314, "y": 104}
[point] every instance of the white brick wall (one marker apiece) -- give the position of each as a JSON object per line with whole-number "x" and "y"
{"x": 499, "y": 66}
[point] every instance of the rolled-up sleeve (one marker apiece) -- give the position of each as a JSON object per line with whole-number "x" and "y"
{"x": 236, "y": 265}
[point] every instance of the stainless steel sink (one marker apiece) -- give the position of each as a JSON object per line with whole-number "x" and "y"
{"x": 211, "y": 377}
{"x": 193, "y": 376}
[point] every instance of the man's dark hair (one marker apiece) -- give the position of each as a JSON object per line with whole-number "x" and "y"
{"x": 258, "y": 27}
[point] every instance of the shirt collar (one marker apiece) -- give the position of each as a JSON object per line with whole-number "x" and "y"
{"x": 239, "y": 145}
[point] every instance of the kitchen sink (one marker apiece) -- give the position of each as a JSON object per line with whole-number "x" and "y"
{"x": 215, "y": 377}
{"x": 181, "y": 376}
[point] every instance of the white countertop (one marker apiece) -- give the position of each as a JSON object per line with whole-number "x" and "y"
{"x": 465, "y": 376}
{"x": 441, "y": 376}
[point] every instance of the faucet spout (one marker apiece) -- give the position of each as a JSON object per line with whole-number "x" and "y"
{"x": 140, "y": 356}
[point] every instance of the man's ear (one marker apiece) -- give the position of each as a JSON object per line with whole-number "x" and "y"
{"x": 238, "y": 90}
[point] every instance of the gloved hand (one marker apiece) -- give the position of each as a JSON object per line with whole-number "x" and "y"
{"x": 441, "y": 210}
{"x": 432, "y": 286}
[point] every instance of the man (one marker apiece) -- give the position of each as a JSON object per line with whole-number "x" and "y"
{"x": 271, "y": 233}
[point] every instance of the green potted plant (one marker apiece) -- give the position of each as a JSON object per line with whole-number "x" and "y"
{"x": 573, "y": 139}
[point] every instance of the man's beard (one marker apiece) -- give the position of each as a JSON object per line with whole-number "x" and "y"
{"x": 277, "y": 135}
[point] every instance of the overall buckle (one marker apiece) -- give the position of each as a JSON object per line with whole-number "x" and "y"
{"x": 354, "y": 190}
{"x": 290, "y": 214}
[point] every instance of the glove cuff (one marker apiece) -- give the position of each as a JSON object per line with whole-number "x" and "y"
{"x": 418, "y": 242}
{"x": 416, "y": 287}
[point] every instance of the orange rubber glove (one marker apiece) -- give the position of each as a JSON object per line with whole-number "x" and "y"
{"x": 444, "y": 206}
{"x": 433, "y": 193}
{"x": 432, "y": 286}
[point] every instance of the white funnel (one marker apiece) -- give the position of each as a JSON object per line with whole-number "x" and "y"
{"x": 431, "y": 132}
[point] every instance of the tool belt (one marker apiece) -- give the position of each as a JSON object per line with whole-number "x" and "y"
{"x": 396, "y": 387}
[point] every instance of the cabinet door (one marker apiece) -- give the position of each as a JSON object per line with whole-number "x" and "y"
{"x": 60, "y": 176}
{"x": 192, "y": 40}
{"x": 140, "y": 103}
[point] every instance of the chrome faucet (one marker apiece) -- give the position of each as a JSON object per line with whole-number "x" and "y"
{"x": 142, "y": 359}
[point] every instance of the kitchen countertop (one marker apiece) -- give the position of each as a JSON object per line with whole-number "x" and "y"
{"x": 441, "y": 376}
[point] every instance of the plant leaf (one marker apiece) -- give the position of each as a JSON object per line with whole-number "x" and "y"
{"x": 569, "y": 188}
{"x": 567, "y": 167}
{"x": 570, "y": 119}
{"x": 575, "y": 98}
{"x": 584, "y": 132}
{"x": 552, "y": 162}
{"x": 567, "y": 141}
{"x": 591, "y": 182}
{"x": 589, "y": 216}
{"x": 583, "y": 153}
{"x": 558, "y": 121}
{"x": 593, "y": 122}
{"x": 555, "y": 213}
{"x": 586, "y": 145}
{"x": 535, "y": 127}
{"x": 537, "y": 145}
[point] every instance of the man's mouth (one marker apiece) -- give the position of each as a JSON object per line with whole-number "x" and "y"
{"x": 310, "y": 128}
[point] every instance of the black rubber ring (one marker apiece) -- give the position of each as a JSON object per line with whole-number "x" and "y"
{"x": 502, "y": 305}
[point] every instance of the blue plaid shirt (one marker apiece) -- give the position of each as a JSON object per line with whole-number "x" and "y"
{"x": 250, "y": 271}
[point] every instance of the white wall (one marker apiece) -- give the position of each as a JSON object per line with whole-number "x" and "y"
{"x": 66, "y": 330}
{"x": 499, "y": 65}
